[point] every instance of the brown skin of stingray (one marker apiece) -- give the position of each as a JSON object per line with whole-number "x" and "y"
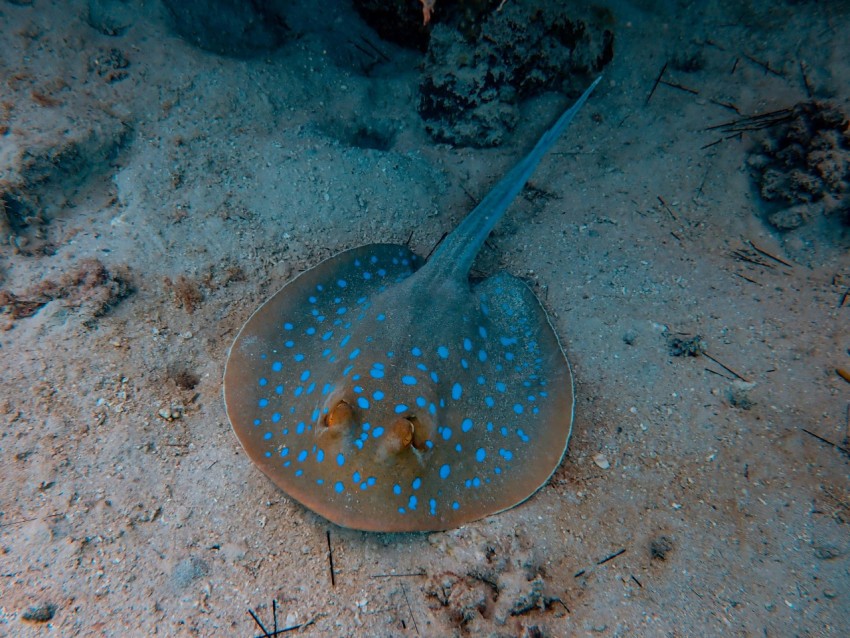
{"x": 426, "y": 315}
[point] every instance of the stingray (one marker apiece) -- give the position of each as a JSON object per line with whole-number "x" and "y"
{"x": 389, "y": 393}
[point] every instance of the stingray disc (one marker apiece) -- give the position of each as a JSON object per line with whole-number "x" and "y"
{"x": 386, "y": 402}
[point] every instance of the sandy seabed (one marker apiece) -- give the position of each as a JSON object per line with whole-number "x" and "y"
{"x": 156, "y": 193}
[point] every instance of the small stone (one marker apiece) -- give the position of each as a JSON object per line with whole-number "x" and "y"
{"x": 189, "y": 570}
{"x": 660, "y": 546}
{"x": 39, "y": 613}
{"x": 601, "y": 461}
{"x": 790, "y": 218}
{"x": 739, "y": 394}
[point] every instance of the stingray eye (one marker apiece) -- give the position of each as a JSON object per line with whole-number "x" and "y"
{"x": 342, "y": 415}
{"x": 421, "y": 432}
{"x": 399, "y": 436}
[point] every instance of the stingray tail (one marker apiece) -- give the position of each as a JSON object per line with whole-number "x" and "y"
{"x": 457, "y": 252}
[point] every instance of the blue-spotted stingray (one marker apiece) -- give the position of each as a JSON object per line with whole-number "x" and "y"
{"x": 387, "y": 393}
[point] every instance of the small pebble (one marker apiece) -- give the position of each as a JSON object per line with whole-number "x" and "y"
{"x": 39, "y": 613}
{"x": 601, "y": 461}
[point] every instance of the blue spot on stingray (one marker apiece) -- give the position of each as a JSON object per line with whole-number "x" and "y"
{"x": 377, "y": 373}
{"x": 416, "y": 352}
{"x": 302, "y": 456}
{"x": 357, "y": 389}
{"x": 341, "y": 283}
{"x": 310, "y": 331}
{"x": 354, "y": 353}
{"x": 503, "y": 431}
{"x": 363, "y": 402}
{"x": 284, "y": 452}
{"x": 480, "y": 380}
{"x": 298, "y": 391}
{"x": 476, "y": 482}
{"x": 464, "y": 364}
{"x": 257, "y": 421}
{"x": 275, "y": 417}
{"x": 358, "y": 444}
{"x": 457, "y": 390}
{"x": 320, "y": 456}
{"x": 382, "y": 272}
{"x": 263, "y": 381}
{"x": 355, "y": 477}
{"x": 288, "y": 326}
{"x": 408, "y": 380}
{"x": 277, "y": 366}
{"x": 434, "y": 377}
{"x": 396, "y": 489}
{"x": 506, "y": 454}
{"x": 381, "y": 317}
{"x": 501, "y": 387}
{"x": 327, "y": 388}
{"x": 445, "y": 470}
{"x": 467, "y": 345}
{"x": 489, "y": 401}
{"x": 466, "y": 426}
{"x": 339, "y": 487}
{"x": 458, "y": 447}
{"x": 347, "y": 370}
{"x": 378, "y": 395}
{"x": 482, "y": 331}
{"x": 312, "y": 299}
{"x": 480, "y": 455}
{"x": 422, "y": 366}
{"x": 509, "y": 356}
{"x": 342, "y": 311}
{"x": 327, "y": 335}
{"x": 482, "y": 356}
{"x": 443, "y": 351}
{"x": 390, "y": 355}
{"x": 432, "y": 504}
{"x": 315, "y": 415}
{"x": 378, "y": 431}
{"x": 455, "y": 505}
{"x": 267, "y": 436}
{"x": 400, "y": 408}
{"x": 411, "y": 503}
{"x": 518, "y": 408}
{"x": 417, "y": 483}
{"x": 279, "y": 389}
{"x": 263, "y": 402}
{"x": 299, "y": 472}
{"x": 373, "y": 259}
{"x": 366, "y": 427}
{"x": 299, "y": 429}
{"x": 421, "y": 402}
{"x": 305, "y": 375}
{"x": 522, "y": 435}
{"x": 535, "y": 410}
{"x": 367, "y": 275}
{"x": 432, "y": 409}
{"x": 311, "y": 387}
{"x": 344, "y": 341}
{"x": 299, "y": 357}
{"x": 340, "y": 459}
{"x": 506, "y": 341}
{"x": 447, "y": 433}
